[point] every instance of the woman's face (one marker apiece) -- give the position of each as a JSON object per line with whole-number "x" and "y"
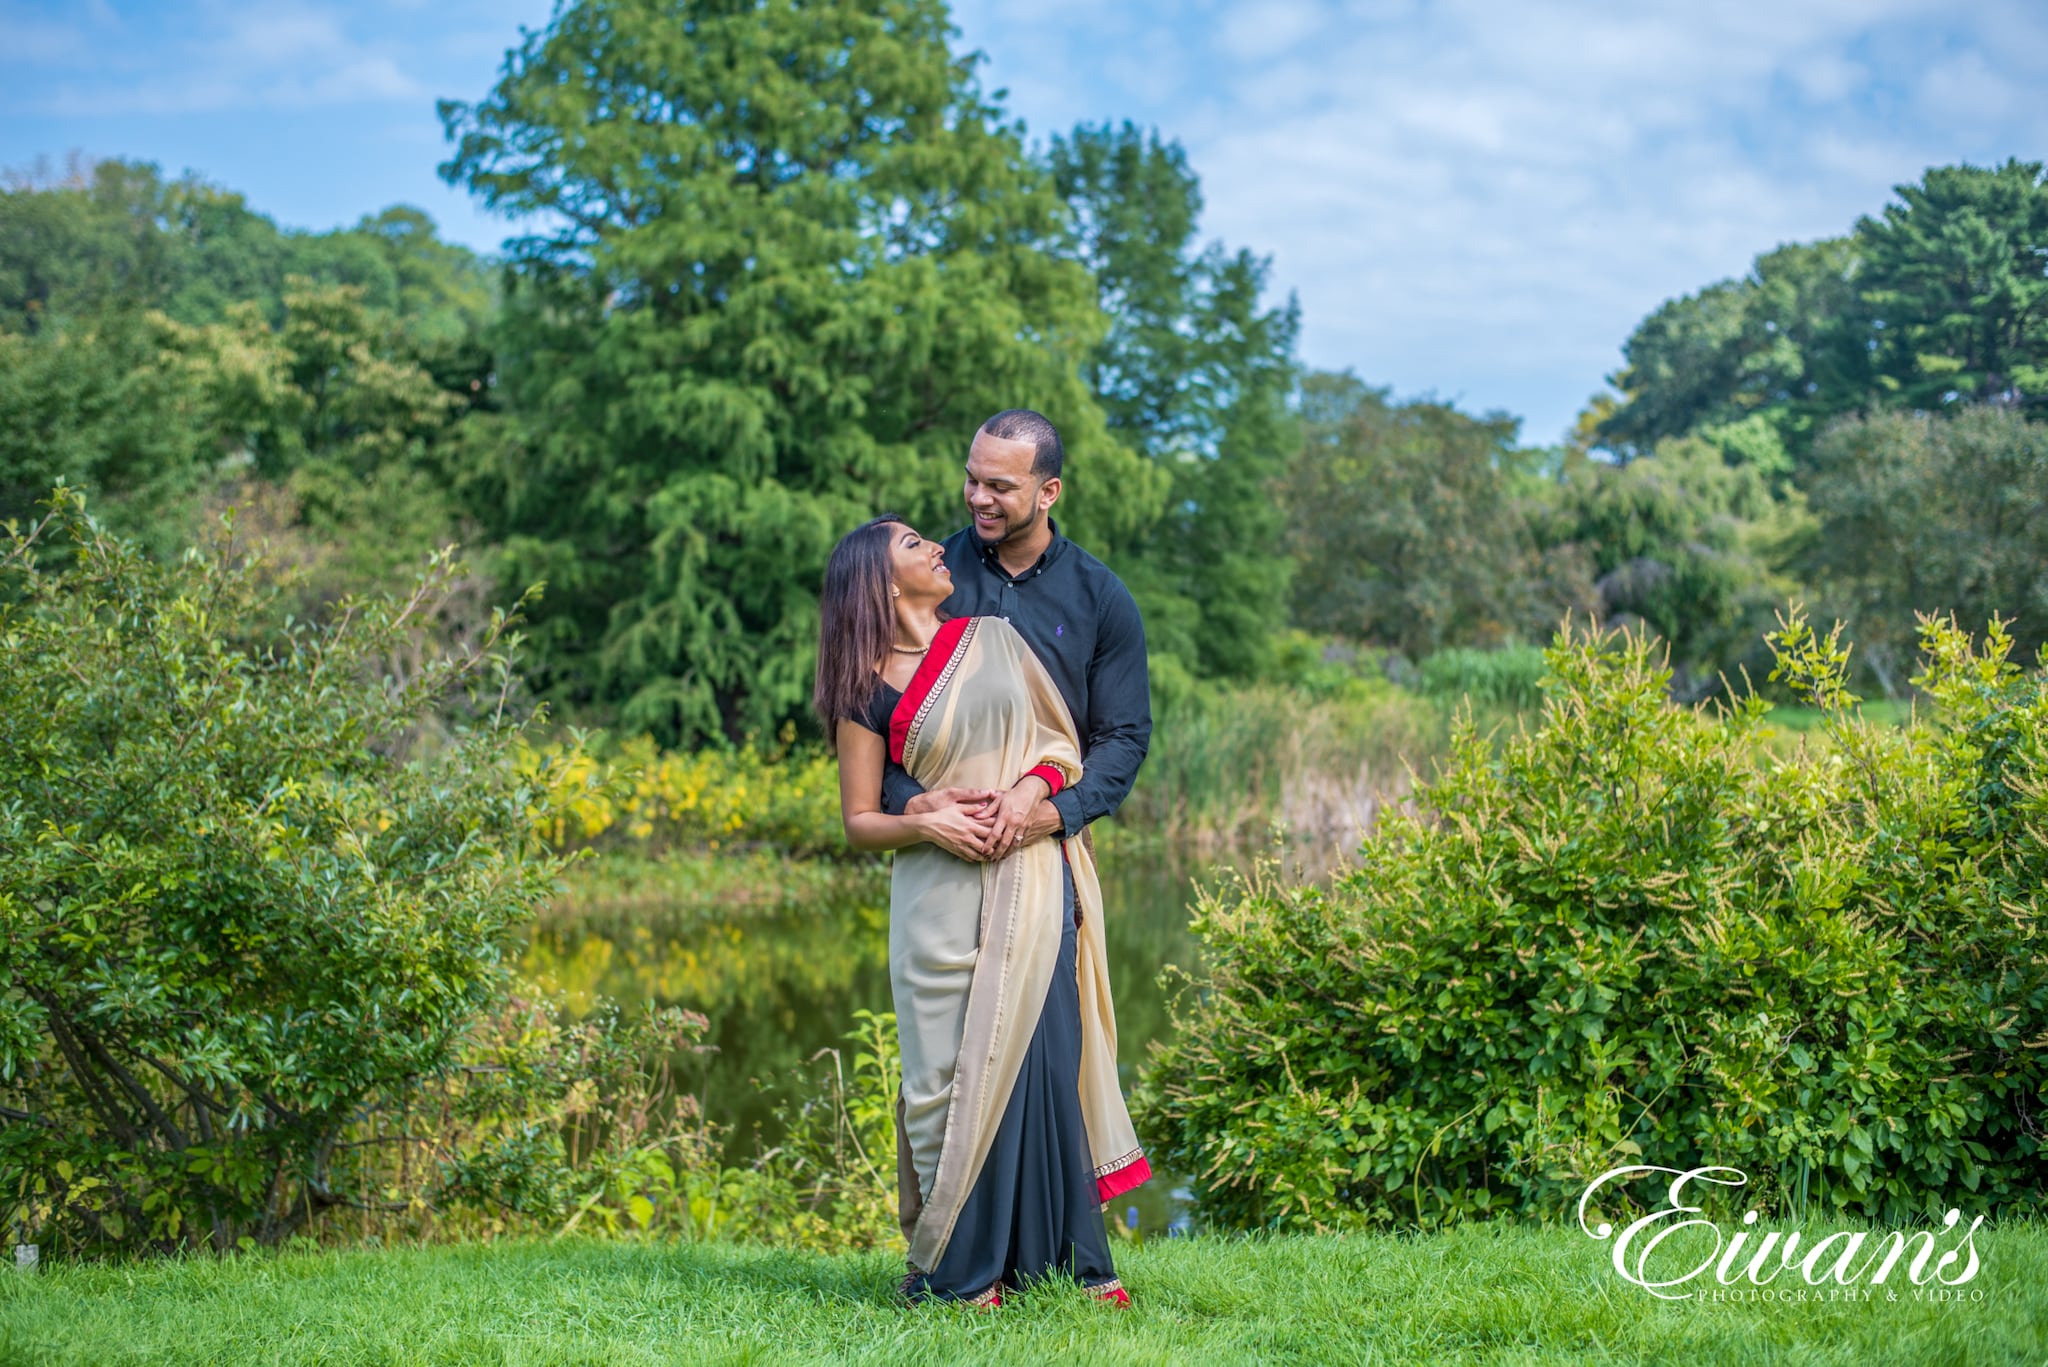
{"x": 919, "y": 566}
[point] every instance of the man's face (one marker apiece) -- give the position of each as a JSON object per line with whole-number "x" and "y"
{"x": 1005, "y": 499}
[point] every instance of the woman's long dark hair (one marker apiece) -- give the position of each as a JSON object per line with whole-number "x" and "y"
{"x": 856, "y": 624}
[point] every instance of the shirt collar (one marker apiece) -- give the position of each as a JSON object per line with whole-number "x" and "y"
{"x": 1044, "y": 562}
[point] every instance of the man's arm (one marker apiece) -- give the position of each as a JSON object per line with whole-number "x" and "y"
{"x": 898, "y": 787}
{"x": 1118, "y": 727}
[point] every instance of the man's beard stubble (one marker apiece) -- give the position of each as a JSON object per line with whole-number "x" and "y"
{"x": 1012, "y": 530}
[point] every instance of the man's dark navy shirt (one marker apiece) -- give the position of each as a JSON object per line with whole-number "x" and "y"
{"x": 1084, "y": 626}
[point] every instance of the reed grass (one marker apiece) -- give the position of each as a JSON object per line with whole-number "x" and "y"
{"x": 1230, "y": 766}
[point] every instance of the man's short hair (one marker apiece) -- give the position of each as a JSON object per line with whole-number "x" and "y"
{"x": 1022, "y": 424}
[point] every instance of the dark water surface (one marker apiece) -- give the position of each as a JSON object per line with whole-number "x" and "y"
{"x": 778, "y": 986}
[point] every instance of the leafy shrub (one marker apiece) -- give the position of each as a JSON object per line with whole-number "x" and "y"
{"x": 637, "y": 795}
{"x": 581, "y": 1127}
{"x": 257, "y": 927}
{"x": 1506, "y": 677}
{"x": 1633, "y": 934}
{"x": 249, "y": 906}
{"x": 836, "y": 1165}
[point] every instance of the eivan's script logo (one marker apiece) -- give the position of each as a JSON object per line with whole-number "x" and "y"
{"x": 1828, "y": 1260}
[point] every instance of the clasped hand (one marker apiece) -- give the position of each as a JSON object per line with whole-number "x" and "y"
{"x": 985, "y": 824}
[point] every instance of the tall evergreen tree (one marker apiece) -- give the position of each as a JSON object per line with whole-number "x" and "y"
{"x": 786, "y": 258}
{"x": 1195, "y": 372}
{"x": 1956, "y": 274}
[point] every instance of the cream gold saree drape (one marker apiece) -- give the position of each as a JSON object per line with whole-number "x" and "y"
{"x": 972, "y": 947}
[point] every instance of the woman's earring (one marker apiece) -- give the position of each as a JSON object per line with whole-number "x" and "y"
{"x": 895, "y": 592}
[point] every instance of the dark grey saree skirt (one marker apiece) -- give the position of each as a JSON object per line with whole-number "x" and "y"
{"x": 1033, "y": 1212}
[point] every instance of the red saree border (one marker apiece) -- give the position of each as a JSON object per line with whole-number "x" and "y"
{"x": 937, "y": 665}
{"x": 1111, "y": 1291}
{"x": 1114, "y": 1179}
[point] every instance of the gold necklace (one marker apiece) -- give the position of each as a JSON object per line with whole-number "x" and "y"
{"x": 906, "y": 650}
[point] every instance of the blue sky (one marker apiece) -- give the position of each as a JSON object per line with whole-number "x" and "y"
{"x": 1475, "y": 200}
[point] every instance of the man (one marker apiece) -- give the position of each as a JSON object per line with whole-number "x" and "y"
{"x": 1011, "y": 562}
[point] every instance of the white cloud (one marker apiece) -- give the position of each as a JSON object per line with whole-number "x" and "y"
{"x": 1965, "y": 86}
{"x": 1475, "y": 197}
{"x": 26, "y": 40}
{"x": 246, "y": 55}
{"x": 1257, "y": 32}
{"x": 1825, "y": 77}
{"x": 280, "y": 36}
{"x": 362, "y": 78}
{"x": 1484, "y": 198}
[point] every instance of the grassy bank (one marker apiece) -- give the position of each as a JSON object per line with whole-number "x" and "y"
{"x": 1475, "y": 1295}
{"x": 626, "y": 893}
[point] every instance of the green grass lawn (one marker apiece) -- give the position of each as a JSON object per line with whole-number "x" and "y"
{"x": 1476, "y": 1295}
{"x": 1880, "y": 710}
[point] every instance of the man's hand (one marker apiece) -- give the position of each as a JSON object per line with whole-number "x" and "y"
{"x": 957, "y": 820}
{"x": 1016, "y": 826}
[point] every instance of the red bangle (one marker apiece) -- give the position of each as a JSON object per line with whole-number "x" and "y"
{"x": 1054, "y": 779}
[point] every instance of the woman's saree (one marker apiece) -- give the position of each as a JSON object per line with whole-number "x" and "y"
{"x": 972, "y": 947}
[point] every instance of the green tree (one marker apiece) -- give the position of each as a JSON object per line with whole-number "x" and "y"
{"x": 1408, "y": 524}
{"x": 1927, "y": 515}
{"x": 154, "y": 417}
{"x": 1682, "y": 542}
{"x": 127, "y": 405}
{"x": 1196, "y": 375}
{"x": 786, "y": 258}
{"x": 117, "y": 237}
{"x": 1750, "y": 364}
{"x": 159, "y": 338}
{"x": 79, "y": 244}
{"x": 444, "y": 293}
{"x": 361, "y": 433}
{"x": 1940, "y": 300}
{"x": 1956, "y": 275}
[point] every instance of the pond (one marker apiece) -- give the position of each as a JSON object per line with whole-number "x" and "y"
{"x": 780, "y": 983}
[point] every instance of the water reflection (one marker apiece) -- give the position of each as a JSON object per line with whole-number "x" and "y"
{"x": 779, "y": 983}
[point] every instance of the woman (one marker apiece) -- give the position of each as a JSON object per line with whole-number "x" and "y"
{"x": 1011, "y": 1128}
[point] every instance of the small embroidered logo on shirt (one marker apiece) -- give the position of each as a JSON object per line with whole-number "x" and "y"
{"x": 1060, "y": 630}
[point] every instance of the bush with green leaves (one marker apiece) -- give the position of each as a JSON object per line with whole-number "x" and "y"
{"x": 1635, "y": 934}
{"x": 258, "y": 886}
{"x": 559, "y": 1126}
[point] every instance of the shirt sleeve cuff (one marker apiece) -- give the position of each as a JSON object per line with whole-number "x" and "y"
{"x": 1054, "y": 779}
{"x": 1068, "y": 804}
{"x": 897, "y": 790}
